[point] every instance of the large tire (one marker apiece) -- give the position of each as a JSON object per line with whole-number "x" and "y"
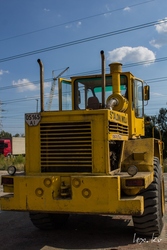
{"x": 48, "y": 221}
{"x": 150, "y": 223}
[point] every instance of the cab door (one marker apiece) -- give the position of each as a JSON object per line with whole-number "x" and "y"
{"x": 138, "y": 107}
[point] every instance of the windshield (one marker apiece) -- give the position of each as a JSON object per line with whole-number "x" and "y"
{"x": 3, "y": 145}
{"x": 91, "y": 88}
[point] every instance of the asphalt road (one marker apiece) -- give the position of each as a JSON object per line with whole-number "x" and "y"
{"x": 81, "y": 232}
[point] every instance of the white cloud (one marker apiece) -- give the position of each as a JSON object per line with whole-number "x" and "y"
{"x": 162, "y": 26}
{"x": 69, "y": 26}
{"x": 108, "y": 13}
{"x": 155, "y": 43}
{"x": 158, "y": 43}
{"x": 107, "y": 7}
{"x": 47, "y": 84}
{"x": 24, "y": 85}
{"x": 157, "y": 94}
{"x": 47, "y": 10}
{"x": 127, "y": 9}
{"x": 2, "y": 72}
{"x": 79, "y": 24}
{"x": 129, "y": 54}
{"x": 161, "y": 29}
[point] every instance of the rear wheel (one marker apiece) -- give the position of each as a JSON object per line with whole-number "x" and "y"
{"x": 151, "y": 222}
{"x": 48, "y": 221}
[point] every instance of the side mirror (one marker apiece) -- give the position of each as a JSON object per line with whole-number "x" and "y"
{"x": 146, "y": 92}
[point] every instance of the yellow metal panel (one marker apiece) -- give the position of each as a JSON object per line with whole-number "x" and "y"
{"x": 8, "y": 189}
{"x": 118, "y": 125}
{"x": 134, "y": 149}
{"x": 98, "y": 135}
{"x": 32, "y": 163}
{"x": 89, "y": 194}
{"x": 139, "y": 156}
{"x": 100, "y": 144}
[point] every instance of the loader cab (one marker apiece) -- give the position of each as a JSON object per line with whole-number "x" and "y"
{"x": 85, "y": 93}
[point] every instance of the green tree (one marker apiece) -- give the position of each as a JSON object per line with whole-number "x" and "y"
{"x": 151, "y": 129}
{"x": 162, "y": 119}
{"x": 4, "y": 134}
{"x": 17, "y": 135}
{"x": 157, "y": 127}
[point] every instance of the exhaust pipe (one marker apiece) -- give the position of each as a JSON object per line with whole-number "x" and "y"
{"x": 103, "y": 77}
{"x": 115, "y": 70}
{"x": 41, "y": 84}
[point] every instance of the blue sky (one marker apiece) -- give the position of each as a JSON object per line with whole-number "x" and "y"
{"x": 28, "y": 26}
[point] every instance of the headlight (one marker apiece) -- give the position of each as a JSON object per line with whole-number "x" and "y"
{"x": 11, "y": 170}
{"x": 132, "y": 170}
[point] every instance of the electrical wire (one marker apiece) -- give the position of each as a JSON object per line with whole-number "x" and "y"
{"x": 76, "y": 20}
{"x": 153, "y": 80}
{"x": 84, "y": 40}
{"x": 93, "y": 72}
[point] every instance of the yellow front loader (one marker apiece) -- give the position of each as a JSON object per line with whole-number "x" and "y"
{"x": 90, "y": 155}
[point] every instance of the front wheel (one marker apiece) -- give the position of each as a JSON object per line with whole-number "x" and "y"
{"x": 48, "y": 221}
{"x": 151, "y": 221}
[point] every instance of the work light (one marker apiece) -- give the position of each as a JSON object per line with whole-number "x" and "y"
{"x": 11, "y": 170}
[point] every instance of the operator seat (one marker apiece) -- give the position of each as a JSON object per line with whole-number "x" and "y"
{"x": 93, "y": 103}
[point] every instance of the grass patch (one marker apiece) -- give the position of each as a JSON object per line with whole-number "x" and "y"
{"x": 17, "y": 161}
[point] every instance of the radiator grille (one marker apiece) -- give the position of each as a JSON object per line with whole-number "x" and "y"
{"x": 118, "y": 128}
{"x": 66, "y": 147}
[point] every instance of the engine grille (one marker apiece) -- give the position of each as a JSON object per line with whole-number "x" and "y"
{"x": 118, "y": 128}
{"x": 66, "y": 147}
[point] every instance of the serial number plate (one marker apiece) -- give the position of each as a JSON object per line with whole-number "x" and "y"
{"x": 32, "y": 119}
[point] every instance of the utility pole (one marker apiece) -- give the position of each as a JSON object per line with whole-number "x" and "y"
{"x": 0, "y": 116}
{"x": 37, "y": 106}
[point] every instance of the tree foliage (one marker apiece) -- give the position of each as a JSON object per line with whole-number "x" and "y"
{"x": 17, "y": 135}
{"x": 4, "y": 134}
{"x": 158, "y": 127}
{"x": 162, "y": 119}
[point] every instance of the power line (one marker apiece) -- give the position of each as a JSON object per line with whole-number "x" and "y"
{"x": 145, "y": 62}
{"x": 76, "y": 20}
{"x": 97, "y": 71}
{"x": 153, "y": 80}
{"x": 84, "y": 40}
{"x": 21, "y": 99}
{"x": 160, "y": 79}
{"x": 24, "y": 84}
{"x": 18, "y": 100}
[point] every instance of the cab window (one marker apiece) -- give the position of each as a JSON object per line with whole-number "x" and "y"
{"x": 138, "y": 98}
{"x": 86, "y": 88}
